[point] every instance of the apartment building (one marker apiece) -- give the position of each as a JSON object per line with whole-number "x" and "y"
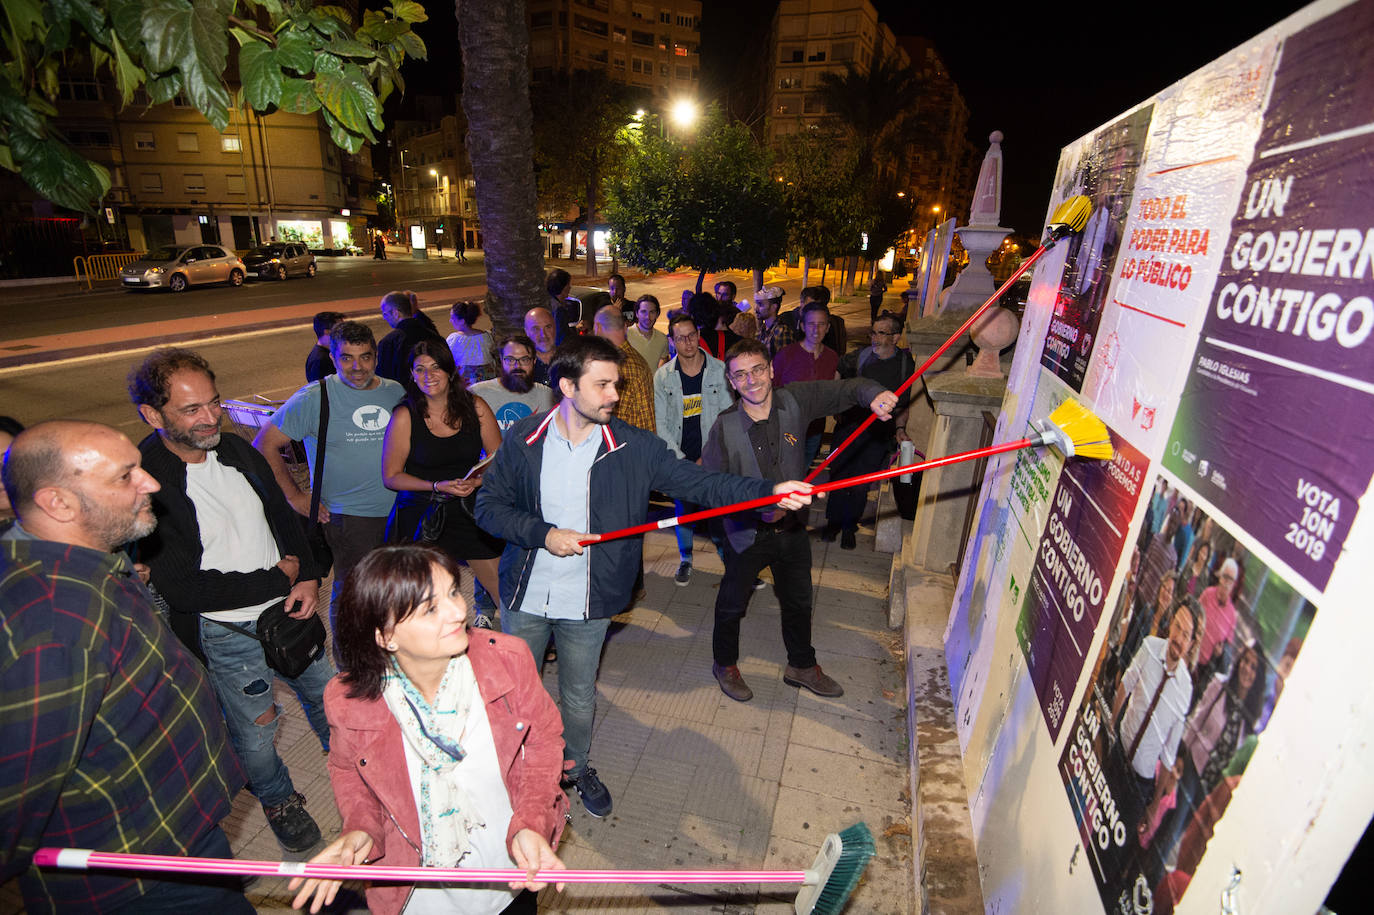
{"x": 433, "y": 182}
{"x": 643, "y": 43}
{"x": 178, "y": 180}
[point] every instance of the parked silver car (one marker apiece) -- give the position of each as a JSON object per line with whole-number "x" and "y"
{"x": 180, "y": 266}
{"x": 279, "y": 260}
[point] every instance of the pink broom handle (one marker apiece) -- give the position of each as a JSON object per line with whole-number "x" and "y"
{"x": 868, "y": 420}
{"x": 765, "y": 501}
{"x": 84, "y": 859}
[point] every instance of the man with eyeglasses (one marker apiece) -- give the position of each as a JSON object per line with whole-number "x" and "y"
{"x": 763, "y": 435}
{"x": 881, "y": 361}
{"x": 514, "y": 394}
{"x": 690, "y": 391}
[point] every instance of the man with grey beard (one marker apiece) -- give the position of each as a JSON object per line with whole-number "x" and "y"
{"x": 228, "y": 547}
{"x": 111, "y": 736}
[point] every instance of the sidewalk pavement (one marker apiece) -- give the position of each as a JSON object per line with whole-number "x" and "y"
{"x": 698, "y": 780}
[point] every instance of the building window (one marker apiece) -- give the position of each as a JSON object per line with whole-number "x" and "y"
{"x": 642, "y": 38}
{"x": 850, "y": 23}
{"x": 684, "y": 72}
{"x": 151, "y": 182}
{"x": 842, "y": 50}
{"x": 542, "y": 19}
{"x": 187, "y": 142}
{"x": 686, "y": 22}
{"x": 792, "y": 54}
{"x": 618, "y": 35}
{"x": 194, "y": 184}
{"x": 180, "y": 101}
{"x": 235, "y": 184}
{"x": 663, "y": 70}
{"x": 813, "y": 105}
{"x": 789, "y": 82}
{"x": 591, "y": 26}
{"x": 89, "y": 138}
{"x": 143, "y": 139}
{"x": 787, "y": 106}
{"x": 467, "y": 206}
{"x": 78, "y": 90}
{"x": 619, "y": 63}
{"x": 229, "y": 143}
{"x": 665, "y": 17}
{"x": 816, "y": 56}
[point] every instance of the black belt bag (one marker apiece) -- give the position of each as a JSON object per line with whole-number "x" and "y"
{"x": 289, "y": 645}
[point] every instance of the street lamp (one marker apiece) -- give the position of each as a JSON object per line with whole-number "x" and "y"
{"x": 684, "y": 113}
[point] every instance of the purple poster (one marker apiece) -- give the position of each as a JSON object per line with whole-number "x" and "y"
{"x": 1105, "y": 173}
{"x": 1273, "y": 424}
{"x": 1078, "y": 553}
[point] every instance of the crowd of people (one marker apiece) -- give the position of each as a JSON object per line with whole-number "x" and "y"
{"x": 136, "y": 579}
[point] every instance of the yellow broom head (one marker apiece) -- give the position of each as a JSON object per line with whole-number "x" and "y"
{"x": 1087, "y": 434}
{"x": 1070, "y": 216}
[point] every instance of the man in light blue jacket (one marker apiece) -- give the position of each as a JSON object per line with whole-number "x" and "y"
{"x": 690, "y": 391}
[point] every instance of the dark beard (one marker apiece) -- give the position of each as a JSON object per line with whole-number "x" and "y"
{"x": 519, "y": 384}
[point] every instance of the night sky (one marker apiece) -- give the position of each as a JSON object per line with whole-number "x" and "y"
{"x": 1044, "y": 74}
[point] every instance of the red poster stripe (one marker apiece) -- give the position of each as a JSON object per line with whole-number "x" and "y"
{"x": 1150, "y": 314}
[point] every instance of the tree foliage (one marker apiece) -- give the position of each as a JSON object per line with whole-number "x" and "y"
{"x": 707, "y": 200}
{"x": 579, "y": 140}
{"x": 825, "y": 206}
{"x": 289, "y": 55}
{"x": 878, "y": 107}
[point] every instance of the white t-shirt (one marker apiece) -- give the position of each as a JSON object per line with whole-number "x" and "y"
{"x": 482, "y": 773}
{"x": 234, "y": 534}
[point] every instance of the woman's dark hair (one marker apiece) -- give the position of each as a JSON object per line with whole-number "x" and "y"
{"x": 557, "y": 280}
{"x": 1253, "y": 700}
{"x": 466, "y": 311}
{"x": 570, "y": 360}
{"x": 459, "y": 409}
{"x": 386, "y": 587}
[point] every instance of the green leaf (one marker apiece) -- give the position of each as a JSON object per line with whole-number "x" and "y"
{"x": 384, "y": 31}
{"x": 348, "y": 96}
{"x": 25, "y": 21}
{"x": 349, "y": 48}
{"x": 19, "y": 116}
{"x": 83, "y": 12}
{"x": 327, "y": 25}
{"x": 414, "y": 45}
{"x": 298, "y": 96}
{"x": 128, "y": 75}
{"x": 126, "y": 16}
{"x": 409, "y": 11}
{"x": 295, "y": 52}
{"x": 164, "y": 87}
{"x": 58, "y": 173}
{"x": 7, "y": 158}
{"x": 342, "y": 137}
{"x": 262, "y": 78}
{"x": 166, "y": 31}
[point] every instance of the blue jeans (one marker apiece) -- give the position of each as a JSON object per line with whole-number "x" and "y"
{"x": 579, "y": 655}
{"x": 243, "y": 684}
{"x": 684, "y": 532}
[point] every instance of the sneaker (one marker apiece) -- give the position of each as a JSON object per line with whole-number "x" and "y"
{"x": 293, "y": 827}
{"x": 731, "y": 683}
{"x": 848, "y": 541}
{"x": 812, "y": 678}
{"x": 482, "y": 621}
{"x": 596, "y": 798}
{"x": 551, "y": 654}
{"x": 684, "y": 572}
{"x": 760, "y": 584}
{"x": 830, "y": 532}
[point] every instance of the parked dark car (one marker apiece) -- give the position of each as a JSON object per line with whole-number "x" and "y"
{"x": 179, "y": 266}
{"x": 277, "y": 261}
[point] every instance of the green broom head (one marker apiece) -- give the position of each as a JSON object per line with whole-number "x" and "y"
{"x": 835, "y": 873}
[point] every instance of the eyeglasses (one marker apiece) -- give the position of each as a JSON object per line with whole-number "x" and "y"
{"x": 754, "y": 374}
{"x": 517, "y": 360}
{"x": 689, "y": 337}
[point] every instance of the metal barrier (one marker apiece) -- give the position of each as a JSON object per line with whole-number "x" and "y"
{"x": 102, "y": 266}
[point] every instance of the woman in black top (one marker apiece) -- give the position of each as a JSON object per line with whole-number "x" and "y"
{"x": 434, "y": 438}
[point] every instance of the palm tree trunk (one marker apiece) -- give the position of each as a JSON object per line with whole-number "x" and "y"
{"x": 500, "y": 143}
{"x": 758, "y": 281}
{"x": 701, "y": 278}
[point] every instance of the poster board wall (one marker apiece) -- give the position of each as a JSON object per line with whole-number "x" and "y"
{"x": 1159, "y": 663}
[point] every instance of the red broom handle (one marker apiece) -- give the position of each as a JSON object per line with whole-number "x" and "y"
{"x": 868, "y": 420}
{"x": 765, "y": 501}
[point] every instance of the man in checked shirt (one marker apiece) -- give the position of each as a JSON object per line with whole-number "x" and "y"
{"x": 110, "y": 738}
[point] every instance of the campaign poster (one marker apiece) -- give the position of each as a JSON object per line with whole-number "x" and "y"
{"x": 1173, "y": 241}
{"x": 1105, "y": 172}
{"x": 1199, "y": 644}
{"x": 1273, "y": 424}
{"x": 1067, "y": 589}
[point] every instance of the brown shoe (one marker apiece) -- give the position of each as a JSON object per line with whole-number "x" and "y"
{"x": 731, "y": 683}
{"x": 814, "y": 679}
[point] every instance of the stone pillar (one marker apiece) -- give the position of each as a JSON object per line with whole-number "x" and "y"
{"x": 960, "y": 402}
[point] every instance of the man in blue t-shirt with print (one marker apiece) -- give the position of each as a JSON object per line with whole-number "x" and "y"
{"x": 514, "y": 394}
{"x": 354, "y": 503}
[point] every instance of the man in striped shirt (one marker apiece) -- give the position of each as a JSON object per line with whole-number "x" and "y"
{"x": 110, "y": 738}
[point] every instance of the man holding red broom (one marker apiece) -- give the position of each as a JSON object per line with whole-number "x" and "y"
{"x": 764, "y": 435}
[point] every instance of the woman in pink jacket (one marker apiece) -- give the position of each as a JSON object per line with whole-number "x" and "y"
{"x": 446, "y": 750}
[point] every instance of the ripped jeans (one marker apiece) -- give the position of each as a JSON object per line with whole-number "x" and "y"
{"x": 242, "y": 682}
